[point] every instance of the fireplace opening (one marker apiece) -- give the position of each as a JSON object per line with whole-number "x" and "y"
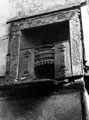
{"x": 45, "y": 71}
{"x": 43, "y": 35}
{"x": 38, "y": 44}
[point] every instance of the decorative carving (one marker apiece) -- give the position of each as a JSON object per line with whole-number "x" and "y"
{"x": 43, "y": 20}
{"x": 62, "y": 60}
{"x": 75, "y": 39}
{"x": 14, "y": 55}
{"x": 62, "y": 51}
{"x": 26, "y": 63}
{"x": 76, "y": 53}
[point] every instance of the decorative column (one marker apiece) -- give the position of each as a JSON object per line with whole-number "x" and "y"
{"x": 13, "y": 57}
{"x": 76, "y": 45}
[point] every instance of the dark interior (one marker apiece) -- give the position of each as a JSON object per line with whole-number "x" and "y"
{"x": 43, "y": 35}
{"x": 39, "y": 36}
{"x": 45, "y": 71}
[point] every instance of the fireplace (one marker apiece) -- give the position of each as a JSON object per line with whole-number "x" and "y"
{"x": 45, "y": 47}
{"x": 41, "y": 43}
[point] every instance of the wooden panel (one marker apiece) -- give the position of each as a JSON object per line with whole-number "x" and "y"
{"x": 26, "y": 64}
{"x": 62, "y": 60}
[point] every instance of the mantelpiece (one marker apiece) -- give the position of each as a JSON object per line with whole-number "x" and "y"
{"x": 28, "y": 56}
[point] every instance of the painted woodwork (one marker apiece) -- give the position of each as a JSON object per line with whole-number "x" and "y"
{"x": 26, "y": 64}
{"x": 62, "y": 60}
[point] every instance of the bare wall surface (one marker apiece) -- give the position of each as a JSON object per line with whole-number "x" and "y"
{"x": 3, "y": 54}
{"x": 54, "y": 106}
{"x": 5, "y": 14}
{"x": 31, "y": 7}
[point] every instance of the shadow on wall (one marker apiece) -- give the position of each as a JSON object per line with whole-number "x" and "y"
{"x": 53, "y": 106}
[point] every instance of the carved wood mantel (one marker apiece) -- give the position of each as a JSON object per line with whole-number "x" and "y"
{"x": 73, "y": 16}
{"x": 43, "y": 20}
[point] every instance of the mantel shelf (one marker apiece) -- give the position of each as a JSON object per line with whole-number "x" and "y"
{"x": 23, "y": 84}
{"x": 43, "y": 84}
